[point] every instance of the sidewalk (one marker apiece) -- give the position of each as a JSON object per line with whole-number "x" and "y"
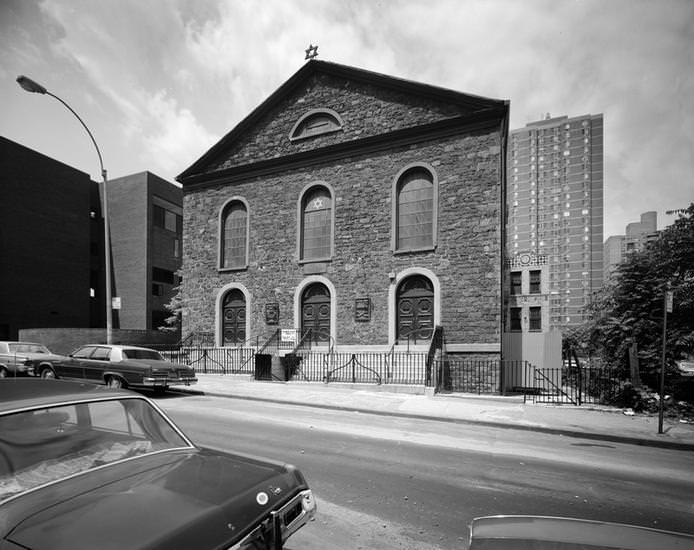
{"x": 593, "y": 422}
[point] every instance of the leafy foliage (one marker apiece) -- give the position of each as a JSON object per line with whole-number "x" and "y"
{"x": 629, "y": 308}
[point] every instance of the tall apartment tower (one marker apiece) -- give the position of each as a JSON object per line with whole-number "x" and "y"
{"x": 555, "y": 208}
{"x": 637, "y": 236}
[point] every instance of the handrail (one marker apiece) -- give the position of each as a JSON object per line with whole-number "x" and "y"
{"x": 269, "y": 340}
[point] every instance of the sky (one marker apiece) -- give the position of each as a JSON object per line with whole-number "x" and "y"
{"x": 158, "y": 82}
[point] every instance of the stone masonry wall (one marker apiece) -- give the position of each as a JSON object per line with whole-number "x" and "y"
{"x": 366, "y": 110}
{"x": 466, "y": 260}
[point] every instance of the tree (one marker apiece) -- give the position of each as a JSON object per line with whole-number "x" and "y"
{"x": 175, "y": 309}
{"x": 629, "y": 309}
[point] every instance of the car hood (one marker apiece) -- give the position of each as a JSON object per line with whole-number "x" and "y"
{"x": 181, "y": 499}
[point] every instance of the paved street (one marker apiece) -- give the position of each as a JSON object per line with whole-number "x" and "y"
{"x": 392, "y": 482}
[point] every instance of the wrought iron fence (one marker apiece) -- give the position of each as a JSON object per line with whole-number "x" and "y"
{"x": 213, "y": 360}
{"x": 572, "y": 385}
{"x": 375, "y": 368}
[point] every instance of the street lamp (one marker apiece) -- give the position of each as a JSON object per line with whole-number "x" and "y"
{"x": 34, "y": 87}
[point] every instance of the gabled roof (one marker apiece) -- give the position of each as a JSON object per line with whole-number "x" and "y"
{"x": 472, "y": 103}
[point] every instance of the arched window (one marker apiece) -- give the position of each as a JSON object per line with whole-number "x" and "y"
{"x": 234, "y": 235}
{"x": 415, "y": 210}
{"x": 316, "y": 122}
{"x": 316, "y": 225}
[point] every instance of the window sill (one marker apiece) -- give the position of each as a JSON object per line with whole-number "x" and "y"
{"x": 228, "y": 269}
{"x": 415, "y": 250}
{"x": 316, "y": 261}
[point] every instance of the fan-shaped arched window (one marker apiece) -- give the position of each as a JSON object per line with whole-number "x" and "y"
{"x": 316, "y": 122}
{"x": 316, "y": 224}
{"x": 415, "y": 210}
{"x": 233, "y": 249}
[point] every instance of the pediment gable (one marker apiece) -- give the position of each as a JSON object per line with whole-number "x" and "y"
{"x": 325, "y": 107}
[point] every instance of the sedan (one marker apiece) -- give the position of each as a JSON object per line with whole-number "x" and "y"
{"x": 84, "y": 467}
{"x": 27, "y": 358}
{"x": 120, "y": 367}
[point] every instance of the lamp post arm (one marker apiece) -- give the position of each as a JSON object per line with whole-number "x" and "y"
{"x": 98, "y": 152}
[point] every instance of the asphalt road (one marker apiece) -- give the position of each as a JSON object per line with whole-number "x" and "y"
{"x": 393, "y": 483}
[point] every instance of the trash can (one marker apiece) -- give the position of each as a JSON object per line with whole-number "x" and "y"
{"x": 263, "y": 366}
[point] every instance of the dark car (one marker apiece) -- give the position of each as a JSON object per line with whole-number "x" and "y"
{"x": 25, "y": 358}
{"x": 86, "y": 467}
{"x": 120, "y": 367}
{"x": 556, "y": 533}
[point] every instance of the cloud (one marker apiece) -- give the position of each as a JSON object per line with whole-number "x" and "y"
{"x": 174, "y": 138}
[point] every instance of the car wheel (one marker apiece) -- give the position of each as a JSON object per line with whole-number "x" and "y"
{"x": 114, "y": 382}
{"x": 3, "y": 372}
{"x": 47, "y": 372}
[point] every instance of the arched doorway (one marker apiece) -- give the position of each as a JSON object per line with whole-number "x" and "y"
{"x": 415, "y": 309}
{"x": 233, "y": 318}
{"x": 315, "y": 312}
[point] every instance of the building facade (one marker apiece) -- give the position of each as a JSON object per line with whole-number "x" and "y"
{"x": 555, "y": 208}
{"x": 361, "y": 208}
{"x": 49, "y": 256}
{"x": 637, "y": 236}
{"x": 146, "y": 220}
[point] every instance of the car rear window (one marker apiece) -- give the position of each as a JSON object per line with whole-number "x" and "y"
{"x": 45, "y": 445}
{"x": 27, "y": 348}
{"x": 142, "y": 354}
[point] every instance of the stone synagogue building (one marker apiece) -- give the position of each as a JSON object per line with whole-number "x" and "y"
{"x": 365, "y": 208}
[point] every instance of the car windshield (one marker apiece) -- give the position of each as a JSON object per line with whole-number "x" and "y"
{"x": 27, "y": 348}
{"x": 41, "y": 446}
{"x": 142, "y": 354}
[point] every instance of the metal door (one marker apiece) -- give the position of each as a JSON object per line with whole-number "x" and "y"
{"x": 234, "y": 318}
{"x": 315, "y": 312}
{"x": 415, "y": 309}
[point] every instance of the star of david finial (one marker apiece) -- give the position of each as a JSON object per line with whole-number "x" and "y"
{"x": 311, "y": 51}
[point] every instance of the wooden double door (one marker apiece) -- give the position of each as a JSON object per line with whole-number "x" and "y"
{"x": 415, "y": 309}
{"x": 234, "y": 318}
{"x": 315, "y": 312}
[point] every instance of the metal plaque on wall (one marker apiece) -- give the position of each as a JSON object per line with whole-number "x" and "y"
{"x": 272, "y": 313}
{"x": 362, "y": 310}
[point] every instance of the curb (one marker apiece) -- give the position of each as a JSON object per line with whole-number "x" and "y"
{"x": 675, "y": 445}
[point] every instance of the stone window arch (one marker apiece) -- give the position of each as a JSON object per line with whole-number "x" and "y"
{"x": 316, "y": 122}
{"x": 316, "y": 222}
{"x": 233, "y": 234}
{"x": 414, "y": 209}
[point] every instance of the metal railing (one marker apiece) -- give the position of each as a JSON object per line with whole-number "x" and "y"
{"x": 213, "y": 360}
{"x": 374, "y": 368}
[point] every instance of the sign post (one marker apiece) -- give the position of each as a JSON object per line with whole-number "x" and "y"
{"x": 667, "y": 308}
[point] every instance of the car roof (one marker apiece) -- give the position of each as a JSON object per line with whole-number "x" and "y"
{"x": 116, "y": 346}
{"x": 21, "y": 393}
{"x": 20, "y": 342}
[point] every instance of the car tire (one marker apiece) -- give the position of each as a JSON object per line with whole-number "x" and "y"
{"x": 3, "y": 372}
{"x": 114, "y": 383}
{"x": 48, "y": 372}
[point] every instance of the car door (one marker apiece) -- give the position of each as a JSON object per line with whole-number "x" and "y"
{"x": 72, "y": 366}
{"x": 97, "y": 362}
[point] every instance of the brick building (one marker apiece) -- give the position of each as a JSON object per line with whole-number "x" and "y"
{"x": 52, "y": 246}
{"x": 365, "y": 208}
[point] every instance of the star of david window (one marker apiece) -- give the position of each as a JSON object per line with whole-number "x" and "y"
{"x": 316, "y": 122}
{"x": 316, "y": 225}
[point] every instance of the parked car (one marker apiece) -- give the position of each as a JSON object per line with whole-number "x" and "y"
{"x": 120, "y": 367}
{"x": 24, "y": 358}
{"x": 554, "y": 533}
{"x": 84, "y": 466}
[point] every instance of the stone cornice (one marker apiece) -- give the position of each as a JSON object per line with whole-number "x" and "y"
{"x": 486, "y": 119}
